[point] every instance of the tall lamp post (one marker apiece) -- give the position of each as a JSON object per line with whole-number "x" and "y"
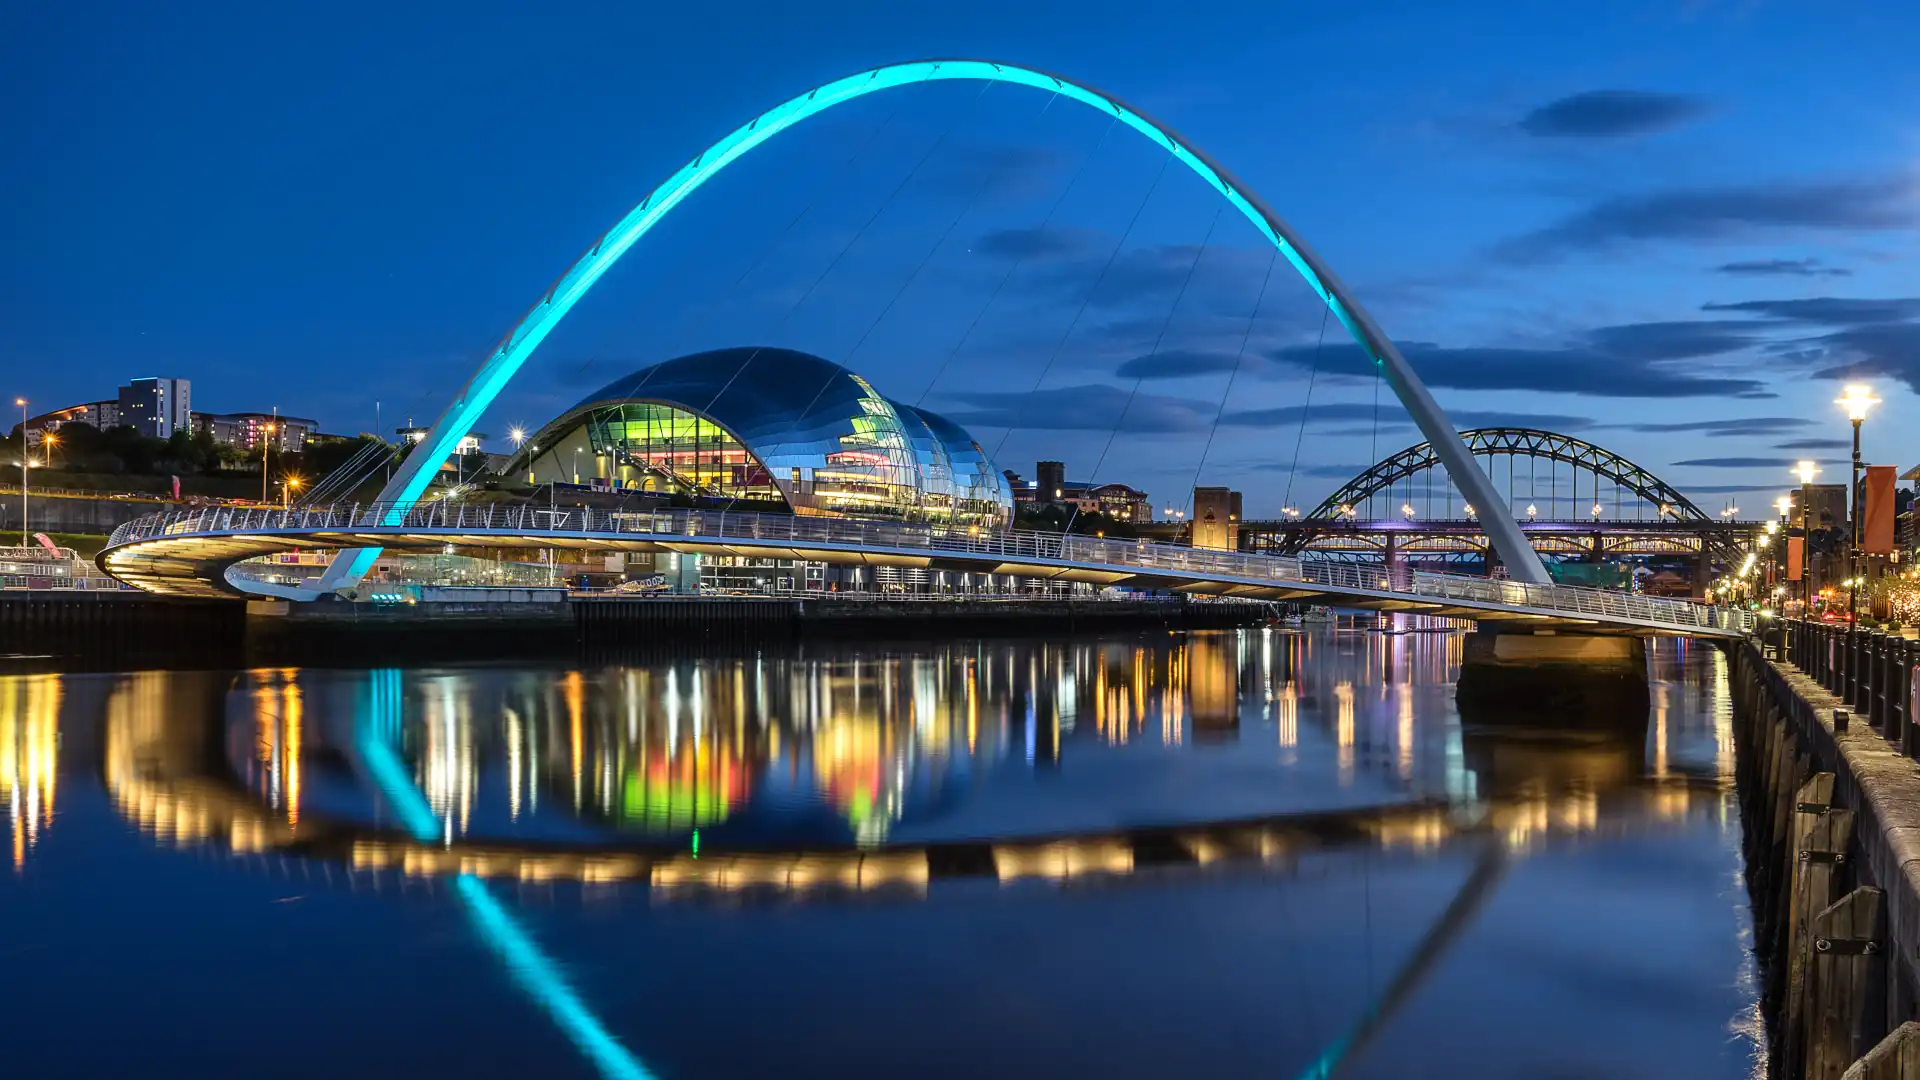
{"x": 1784, "y": 504}
{"x": 25, "y": 539}
{"x": 1856, "y": 400}
{"x": 1806, "y": 471}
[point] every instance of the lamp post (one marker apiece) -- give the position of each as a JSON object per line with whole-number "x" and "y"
{"x": 266, "y": 450}
{"x": 25, "y": 538}
{"x": 1784, "y": 504}
{"x": 1806, "y": 471}
{"x": 1856, "y": 400}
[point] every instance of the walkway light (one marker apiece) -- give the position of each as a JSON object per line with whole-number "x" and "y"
{"x": 518, "y": 435}
{"x": 1596, "y": 509}
{"x": 1469, "y": 509}
{"x": 1806, "y": 471}
{"x": 1665, "y": 509}
{"x": 1407, "y": 509}
{"x": 1532, "y": 511}
{"x": 1784, "y": 504}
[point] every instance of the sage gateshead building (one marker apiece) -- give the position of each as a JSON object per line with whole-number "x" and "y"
{"x": 768, "y": 429}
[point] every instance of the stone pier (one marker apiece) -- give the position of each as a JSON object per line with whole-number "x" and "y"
{"x": 1513, "y": 673}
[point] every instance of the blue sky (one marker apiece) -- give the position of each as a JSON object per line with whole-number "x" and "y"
{"x": 1671, "y": 227}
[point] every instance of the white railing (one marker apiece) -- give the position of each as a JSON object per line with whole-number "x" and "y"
{"x": 1045, "y": 549}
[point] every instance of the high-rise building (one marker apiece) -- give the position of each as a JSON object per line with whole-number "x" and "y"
{"x": 157, "y": 407}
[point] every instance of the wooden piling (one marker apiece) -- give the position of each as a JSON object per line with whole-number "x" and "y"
{"x": 1815, "y": 866}
{"x": 1896, "y": 1058}
{"x": 1845, "y": 982}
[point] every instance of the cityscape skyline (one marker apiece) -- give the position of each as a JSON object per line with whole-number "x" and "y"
{"x": 1557, "y": 289}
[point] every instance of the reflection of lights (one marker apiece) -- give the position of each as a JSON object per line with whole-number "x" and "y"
{"x": 529, "y": 966}
{"x": 29, "y": 752}
{"x": 1343, "y": 729}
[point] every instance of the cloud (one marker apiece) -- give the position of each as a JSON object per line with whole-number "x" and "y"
{"x": 1746, "y": 425}
{"x": 998, "y": 171}
{"x": 1735, "y": 463}
{"x": 1813, "y": 444}
{"x": 1603, "y": 114}
{"x": 1724, "y": 213}
{"x": 1729, "y": 489}
{"x": 1681, "y": 340}
{"x": 1388, "y": 412}
{"x": 1782, "y": 268}
{"x": 1033, "y": 243}
{"x": 1178, "y": 364}
{"x": 1571, "y": 370}
{"x": 1862, "y": 338}
{"x": 1090, "y": 407}
{"x": 1333, "y": 472}
{"x": 1827, "y": 310}
{"x": 1492, "y": 418}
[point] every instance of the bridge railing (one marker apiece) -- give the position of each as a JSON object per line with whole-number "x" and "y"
{"x": 1122, "y": 556}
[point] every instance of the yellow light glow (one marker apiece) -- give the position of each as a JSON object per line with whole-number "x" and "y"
{"x": 1857, "y": 399}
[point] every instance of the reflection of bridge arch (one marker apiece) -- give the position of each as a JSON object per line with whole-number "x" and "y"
{"x": 411, "y": 480}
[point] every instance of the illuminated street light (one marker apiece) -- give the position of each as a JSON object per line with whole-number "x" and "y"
{"x": 1858, "y": 399}
{"x": 26, "y": 540}
{"x": 1469, "y": 509}
{"x": 1596, "y": 509}
{"x": 1407, "y": 509}
{"x": 518, "y": 435}
{"x": 1532, "y": 511}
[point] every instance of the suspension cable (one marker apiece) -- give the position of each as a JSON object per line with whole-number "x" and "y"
{"x": 1165, "y": 324}
{"x": 1300, "y": 435}
{"x": 1227, "y": 392}
{"x": 1021, "y": 409}
{"x": 1018, "y": 262}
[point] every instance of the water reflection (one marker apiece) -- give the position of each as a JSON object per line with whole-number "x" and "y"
{"x": 1187, "y": 763}
{"x": 781, "y": 770}
{"x": 29, "y": 757}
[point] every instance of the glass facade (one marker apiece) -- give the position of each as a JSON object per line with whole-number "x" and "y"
{"x": 773, "y": 425}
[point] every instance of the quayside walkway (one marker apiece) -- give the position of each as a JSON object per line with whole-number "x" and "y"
{"x": 199, "y": 552}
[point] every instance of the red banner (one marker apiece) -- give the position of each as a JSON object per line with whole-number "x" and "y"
{"x": 1796, "y": 557}
{"x": 1876, "y": 532}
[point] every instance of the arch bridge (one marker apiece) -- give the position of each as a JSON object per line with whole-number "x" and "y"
{"x": 1393, "y": 509}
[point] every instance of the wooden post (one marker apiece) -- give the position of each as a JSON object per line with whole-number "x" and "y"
{"x": 1896, "y": 1058}
{"x": 1846, "y": 982}
{"x": 1815, "y": 864}
{"x": 1810, "y": 800}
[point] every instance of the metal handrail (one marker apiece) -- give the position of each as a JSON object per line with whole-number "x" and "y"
{"x": 918, "y": 537}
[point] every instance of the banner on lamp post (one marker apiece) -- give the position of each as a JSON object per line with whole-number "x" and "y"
{"x": 1876, "y": 519}
{"x": 1796, "y": 557}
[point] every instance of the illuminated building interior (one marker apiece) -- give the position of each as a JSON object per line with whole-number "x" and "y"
{"x": 768, "y": 427}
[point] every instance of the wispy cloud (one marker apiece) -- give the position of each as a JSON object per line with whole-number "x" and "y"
{"x": 1781, "y": 268}
{"x": 1733, "y": 212}
{"x": 1608, "y": 114}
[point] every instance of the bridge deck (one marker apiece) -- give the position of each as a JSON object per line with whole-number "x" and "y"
{"x": 189, "y": 553}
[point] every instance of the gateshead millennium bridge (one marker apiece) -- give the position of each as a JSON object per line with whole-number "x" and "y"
{"x": 194, "y": 554}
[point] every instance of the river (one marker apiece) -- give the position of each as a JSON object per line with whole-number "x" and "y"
{"x": 1233, "y": 854}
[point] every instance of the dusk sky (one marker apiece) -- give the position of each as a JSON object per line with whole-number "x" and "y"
{"x": 1673, "y": 229}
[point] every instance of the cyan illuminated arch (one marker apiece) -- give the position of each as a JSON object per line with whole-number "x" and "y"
{"x": 412, "y": 478}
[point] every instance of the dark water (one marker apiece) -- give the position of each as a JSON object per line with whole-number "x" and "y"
{"x": 753, "y": 866}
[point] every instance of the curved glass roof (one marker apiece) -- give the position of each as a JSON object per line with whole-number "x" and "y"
{"x": 828, "y": 440}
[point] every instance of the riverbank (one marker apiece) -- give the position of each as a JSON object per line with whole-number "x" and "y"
{"x": 1832, "y": 812}
{"x": 535, "y": 622}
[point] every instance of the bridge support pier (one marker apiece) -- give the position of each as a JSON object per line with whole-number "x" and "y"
{"x": 1516, "y": 675}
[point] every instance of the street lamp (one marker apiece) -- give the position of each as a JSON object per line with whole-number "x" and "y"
{"x": 266, "y": 449}
{"x": 1596, "y": 510}
{"x": 1407, "y": 510}
{"x": 287, "y": 487}
{"x": 1532, "y": 511}
{"x": 1857, "y": 400}
{"x": 25, "y": 539}
{"x": 1805, "y": 471}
